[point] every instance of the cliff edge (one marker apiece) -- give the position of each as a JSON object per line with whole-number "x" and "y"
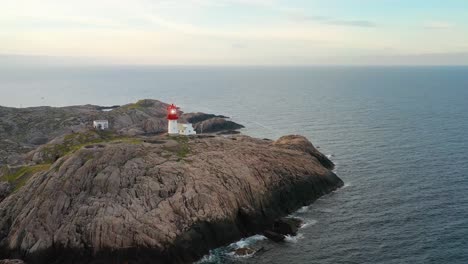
{"x": 166, "y": 200}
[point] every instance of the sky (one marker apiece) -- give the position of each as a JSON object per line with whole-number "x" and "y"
{"x": 237, "y": 32}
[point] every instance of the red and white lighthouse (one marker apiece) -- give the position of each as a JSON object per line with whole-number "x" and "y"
{"x": 172, "y": 117}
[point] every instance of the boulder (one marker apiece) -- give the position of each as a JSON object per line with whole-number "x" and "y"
{"x": 38, "y": 140}
{"x": 273, "y": 236}
{"x": 287, "y": 226}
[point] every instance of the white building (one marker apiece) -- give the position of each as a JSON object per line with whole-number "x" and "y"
{"x": 101, "y": 124}
{"x": 186, "y": 129}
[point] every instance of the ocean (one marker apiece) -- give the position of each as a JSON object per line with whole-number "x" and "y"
{"x": 398, "y": 135}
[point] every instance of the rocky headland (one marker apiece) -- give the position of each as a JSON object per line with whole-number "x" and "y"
{"x": 24, "y": 129}
{"x": 69, "y": 194}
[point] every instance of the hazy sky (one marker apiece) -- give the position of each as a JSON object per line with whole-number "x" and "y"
{"x": 239, "y": 31}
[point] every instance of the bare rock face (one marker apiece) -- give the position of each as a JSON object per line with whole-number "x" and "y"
{"x": 161, "y": 199}
{"x": 209, "y": 123}
{"x": 216, "y": 124}
{"x": 198, "y": 117}
{"x": 273, "y": 236}
{"x": 301, "y": 143}
{"x": 287, "y": 226}
{"x": 5, "y": 189}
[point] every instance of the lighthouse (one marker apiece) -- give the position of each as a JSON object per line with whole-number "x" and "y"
{"x": 172, "y": 127}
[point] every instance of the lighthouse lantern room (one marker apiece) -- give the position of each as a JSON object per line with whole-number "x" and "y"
{"x": 172, "y": 118}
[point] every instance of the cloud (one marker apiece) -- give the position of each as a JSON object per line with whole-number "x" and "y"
{"x": 332, "y": 21}
{"x": 438, "y": 25}
{"x": 195, "y": 31}
{"x": 274, "y": 32}
{"x": 296, "y": 14}
{"x": 352, "y": 23}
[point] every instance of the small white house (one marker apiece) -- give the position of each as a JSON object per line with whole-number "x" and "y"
{"x": 101, "y": 124}
{"x": 186, "y": 129}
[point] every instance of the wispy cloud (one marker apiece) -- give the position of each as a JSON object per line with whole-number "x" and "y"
{"x": 352, "y": 23}
{"x": 332, "y": 21}
{"x": 293, "y": 13}
{"x": 438, "y": 25}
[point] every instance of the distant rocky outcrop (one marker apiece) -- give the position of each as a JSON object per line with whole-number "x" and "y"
{"x": 158, "y": 199}
{"x": 209, "y": 123}
{"x": 24, "y": 129}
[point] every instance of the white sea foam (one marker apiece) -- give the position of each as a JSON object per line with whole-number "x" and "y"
{"x": 346, "y": 185}
{"x": 294, "y": 239}
{"x": 308, "y": 223}
{"x": 246, "y": 242}
{"x": 233, "y": 254}
{"x": 206, "y": 259}
{"x": 330, "y": 157}
{"x": 216, "y": 255}
{"x": 303, "y": 209}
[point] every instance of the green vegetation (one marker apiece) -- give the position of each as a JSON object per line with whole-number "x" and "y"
{"x": 3, "y": 170}
{"x": 73, "y": 142}
{"x": 19, "y": 178}
{"x": 76, "y": 141}
{"x": 52, "y": 152}
{"x": 183, "y": 149}
{"x": 138, "y": 105}
{"x": 128, "y": 140}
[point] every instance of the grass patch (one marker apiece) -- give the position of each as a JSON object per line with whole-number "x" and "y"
{"x": 76, "y": 141}
{"x": 131, "y": 106}
{"x": 183, "y": 149}
{"x": 128, "y": 140}
{"x": 22, "y": 175}
{"x": 140, "y": 105}
{"x": 72, "y": 143}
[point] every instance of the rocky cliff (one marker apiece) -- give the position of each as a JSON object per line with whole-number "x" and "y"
{"x": 159, "y": 200}
{"x": 125, "y": 197}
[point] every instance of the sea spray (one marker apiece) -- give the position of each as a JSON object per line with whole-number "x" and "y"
{"x": 227, "y": 254}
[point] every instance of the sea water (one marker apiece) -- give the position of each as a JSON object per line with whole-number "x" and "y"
{"x": 398, "y": 135}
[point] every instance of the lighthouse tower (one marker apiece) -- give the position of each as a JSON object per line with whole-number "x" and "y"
{"x": 172, "y": 118}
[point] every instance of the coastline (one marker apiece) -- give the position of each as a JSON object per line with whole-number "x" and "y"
{"x": 253, "y": 183}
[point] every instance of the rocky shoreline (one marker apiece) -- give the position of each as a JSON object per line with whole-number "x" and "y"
{"x": 133, "y": 197}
